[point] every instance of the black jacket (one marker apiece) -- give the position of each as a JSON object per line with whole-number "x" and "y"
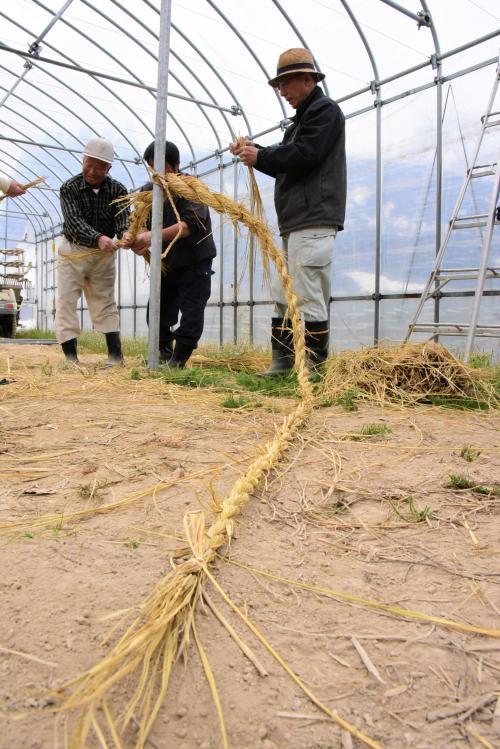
{"x": 309, "y": 166}
{"x": 187, "y": 251}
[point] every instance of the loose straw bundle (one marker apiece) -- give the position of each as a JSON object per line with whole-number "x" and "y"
{"x": 161, "y": 632}
{"x": 27, "y": 186}
{"x": 405, "y": 374}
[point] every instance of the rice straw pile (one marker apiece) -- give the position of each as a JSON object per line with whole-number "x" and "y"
{"x": 166, "y": 621}
{"x": 406, "y": 374}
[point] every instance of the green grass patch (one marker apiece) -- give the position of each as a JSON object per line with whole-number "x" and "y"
{"x": 35, "y": 333}
{"x": 459, "y": 481}
{"x": 371, "y": 430}
{"x": 228, "y": 381}
{"x": 479, "y": 361}
{"x": 462, "y": 404}
{"x": 412, "y": 514}
{"x": 469, "y": 454}
{"x": 235, "y": 401}
{"x": 348, "y": 400}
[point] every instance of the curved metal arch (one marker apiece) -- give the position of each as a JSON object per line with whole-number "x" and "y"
{"x": 117, "y": 25}
{"x": 28, "y": 218}
{"x": 207, "y": 63}
{"x": 172, "y": 117}
{"x": 45, "y": 197}
{"x": 175, "y": 77}
{"x": 44, "y": 165}
{"x": 102, "y": 49}
{"x": 70, "y": 88}
{"x": 177, "y": 57}
{"x": 23, "y": 197}
{"x": 48, "y": 116}
{"x": 23, "y": 133}
{"x": 248, "y": 48}
{"x": 212, "y": 68}
{"x": 363, "y": 38}
{"x": 301, "y": 38}
{"x": 57, "y": 101}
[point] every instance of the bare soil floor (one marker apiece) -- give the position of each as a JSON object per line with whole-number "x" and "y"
{"x": 368, "y": 517}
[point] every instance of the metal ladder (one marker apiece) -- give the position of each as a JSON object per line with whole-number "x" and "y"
{"x": 439, "y": 276}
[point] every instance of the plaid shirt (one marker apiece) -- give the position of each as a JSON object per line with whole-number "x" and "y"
{"x": 87, "y": 215}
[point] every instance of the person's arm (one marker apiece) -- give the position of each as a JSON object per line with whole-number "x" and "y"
{"x": 143, "y": 240}
{"x": 318, "y": 132}
{"x": 248, "y": 153}
{"x": 75, "y": 225}
{"x": 5, "y": 183}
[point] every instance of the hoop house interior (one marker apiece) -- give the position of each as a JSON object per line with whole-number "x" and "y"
{"x": 413, "y": 80}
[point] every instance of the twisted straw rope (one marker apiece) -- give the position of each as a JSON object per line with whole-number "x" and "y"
{"x": 161, "y": 631}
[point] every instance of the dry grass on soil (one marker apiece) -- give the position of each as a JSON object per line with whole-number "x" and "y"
{"x": 381, "y": 504}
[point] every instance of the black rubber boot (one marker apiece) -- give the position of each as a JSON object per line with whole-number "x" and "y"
{"x": 69, "y": 349}
{"x": 281, "y": 347}
{"x": 317, "y": 335}
{"x": 115, "y": 356}
{"x": 166, "y": 350}
{"x": 181, "y": 354}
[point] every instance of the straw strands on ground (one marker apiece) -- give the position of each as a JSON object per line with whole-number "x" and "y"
{"x": 405, "y": 374}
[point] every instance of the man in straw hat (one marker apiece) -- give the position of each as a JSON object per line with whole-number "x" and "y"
{"x": 309, "y": 166}
{"x": 10, "y": 187}
{"x": 91, "y": 221}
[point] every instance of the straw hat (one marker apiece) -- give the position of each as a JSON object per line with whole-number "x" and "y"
{"x": 296, "y": 60}
{"x": 100, "y": 148}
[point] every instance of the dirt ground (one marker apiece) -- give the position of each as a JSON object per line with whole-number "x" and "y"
{"x": 367, "y": 517}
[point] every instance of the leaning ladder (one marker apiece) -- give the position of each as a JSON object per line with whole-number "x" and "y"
{"x": 439, "y": 276}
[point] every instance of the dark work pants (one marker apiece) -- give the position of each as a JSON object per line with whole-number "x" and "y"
{"x": 185, "y": 293}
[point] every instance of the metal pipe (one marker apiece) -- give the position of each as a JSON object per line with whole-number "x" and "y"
{"x": 439, "y": 142}
{"x": 421, "y": 20}
{"x": 158, "y": 197}
{"x": 24, "y": 213}
{"x": 301, "y": 38}
{"x": 107, "y": 76}
{"x": 221, "y": 257}
{"x": 378, "y": 219}
{"x": 235, "y": 261}
{"x": 33, "y": 49}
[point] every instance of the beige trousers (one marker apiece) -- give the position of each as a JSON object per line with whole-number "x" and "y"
{"x": 308, "y": 254}
{"x": 93, "y": 275}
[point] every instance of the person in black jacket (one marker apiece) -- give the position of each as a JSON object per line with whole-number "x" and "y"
{"x": 186, "y": 269}
{"x": 309, "y": 166}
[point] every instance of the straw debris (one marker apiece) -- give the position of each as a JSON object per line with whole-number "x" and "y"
{"x": 406, "y": 374}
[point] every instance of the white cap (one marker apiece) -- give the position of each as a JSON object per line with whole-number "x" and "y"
{"x": 100, "y": 148}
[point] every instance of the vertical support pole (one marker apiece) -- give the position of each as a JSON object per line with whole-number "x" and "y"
{"x": 134, "y": 299}
{"x": 484, "y": 261}
{"x": 53, "y": 285}
{"x": 378, "y": 212}
{"x": 251, "y": 264}
{"x": 158, "y": 198}
{"x": 119, "y": 281}
{"x": 221, "y": 256}
{"x": 439, "y": 173}
{"x": 235, "y": 262}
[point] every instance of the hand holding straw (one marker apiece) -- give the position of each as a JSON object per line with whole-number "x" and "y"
{"x": 27, "y": 186}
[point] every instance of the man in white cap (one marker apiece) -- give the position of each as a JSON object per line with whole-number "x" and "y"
{"x": 91, "y": 221}
{"x": 309, "y": 166}
{"x": 10, "y": 187}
